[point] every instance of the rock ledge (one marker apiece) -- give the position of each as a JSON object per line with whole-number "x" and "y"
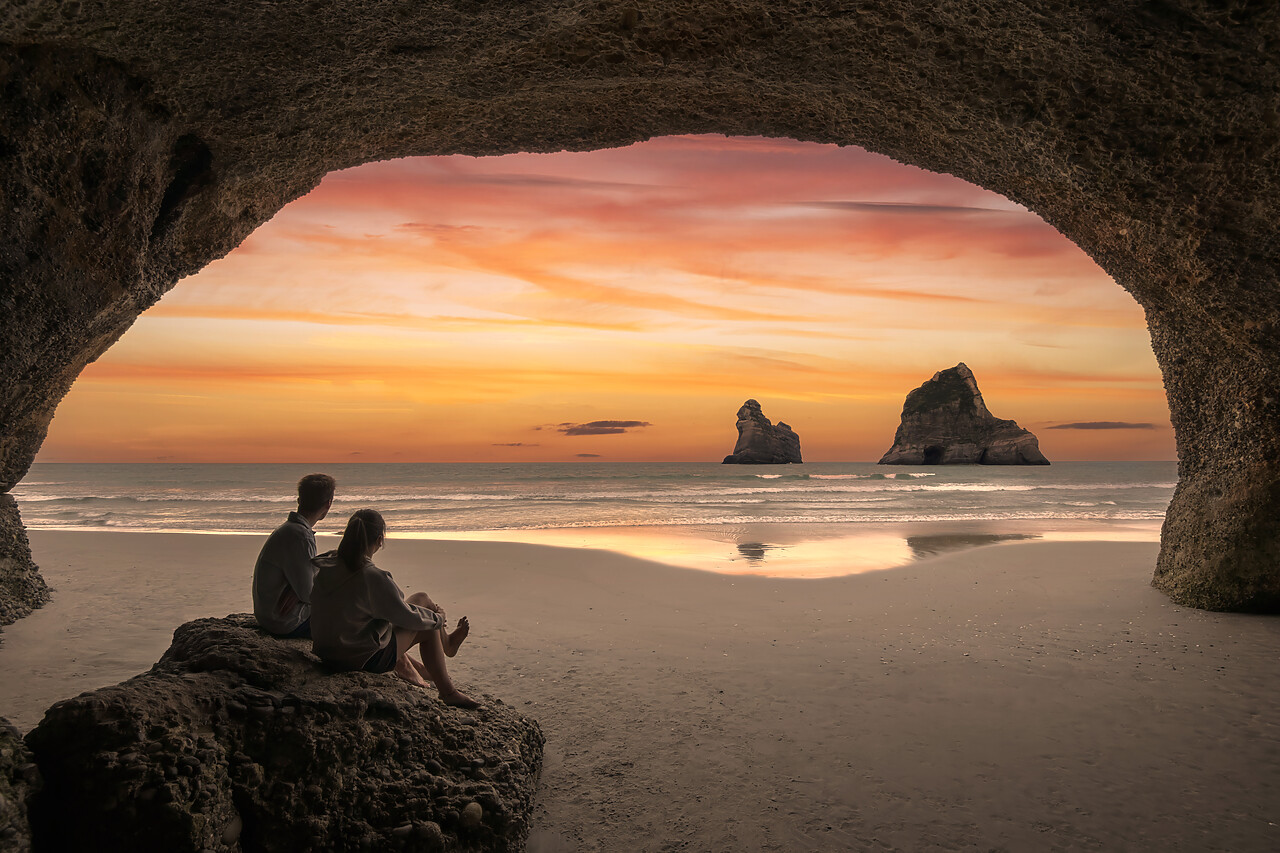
{"x": 236, "y": 740}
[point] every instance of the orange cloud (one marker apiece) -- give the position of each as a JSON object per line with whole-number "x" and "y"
{"x": 367, "y": 318}
{"x": 671, "y": 279}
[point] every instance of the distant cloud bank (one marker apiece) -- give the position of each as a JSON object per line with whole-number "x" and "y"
{"x": 601, "y": 427}
{"x": 1104, "y": 425}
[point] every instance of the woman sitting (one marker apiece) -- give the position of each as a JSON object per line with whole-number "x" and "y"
{"x": 361, "y": 620}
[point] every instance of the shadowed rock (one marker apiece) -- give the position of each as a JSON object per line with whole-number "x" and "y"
{"x": 22, "y": 589}
{"x": 236, "y": 740}
{"x": 946, "y": 422}
{"x": 760, "y": 442}
{"x": 19, "y": 779}
{"x": 142, "y": 139}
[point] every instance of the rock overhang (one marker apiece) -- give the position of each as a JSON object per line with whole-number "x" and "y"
{"x": 148, "y": 138}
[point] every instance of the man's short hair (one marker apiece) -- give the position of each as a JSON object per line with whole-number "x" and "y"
{"x": 314, "y": 491}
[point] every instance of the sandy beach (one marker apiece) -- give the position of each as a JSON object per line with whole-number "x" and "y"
{"x": 1023, "y": 696}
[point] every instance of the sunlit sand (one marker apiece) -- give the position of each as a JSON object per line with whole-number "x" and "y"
{"x": 1031, "y": 695}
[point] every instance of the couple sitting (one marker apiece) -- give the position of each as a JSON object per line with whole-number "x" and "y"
{"x": 354, "y": 613}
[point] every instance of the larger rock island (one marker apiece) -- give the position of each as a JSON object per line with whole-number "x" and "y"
{"x": 237, "y": 741}
{"x": 946, "y": 422}
{"x": 760, "y": 442}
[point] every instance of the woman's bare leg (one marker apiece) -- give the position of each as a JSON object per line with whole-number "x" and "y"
{"x": 433, "y": 661}
{"x": 406, "y": 668}
{"x": 419, "y": 666}
{"x": 449, "y": 640}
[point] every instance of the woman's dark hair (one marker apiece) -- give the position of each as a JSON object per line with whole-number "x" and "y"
{"x": 363, "y": 529}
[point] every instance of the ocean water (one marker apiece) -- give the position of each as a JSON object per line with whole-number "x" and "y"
{"x": 811, "y": 520}
{"x": 455, "y": 498}
{"x": 795, "y": 522}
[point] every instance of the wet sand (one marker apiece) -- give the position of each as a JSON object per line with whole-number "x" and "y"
{"x": 1025, "y": 696}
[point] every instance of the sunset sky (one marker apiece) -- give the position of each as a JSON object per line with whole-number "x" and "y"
{"x": 620, "y": 305}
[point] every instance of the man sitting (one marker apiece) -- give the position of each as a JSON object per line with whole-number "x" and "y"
{"x": 283, "y": 575}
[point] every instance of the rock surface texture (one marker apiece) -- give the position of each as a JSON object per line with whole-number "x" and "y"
{"x": 21, "y": 587}
{"x": 760, "y": 442}
{"x": 946, "y": 422}
{"x": 141, "y": 139}
{"x": 239, "y": 741}
{"x": 19, "y": 780}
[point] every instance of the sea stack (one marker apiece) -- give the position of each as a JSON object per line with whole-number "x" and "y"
{"x": 762, "y": 443}
{"x": 945, "y": 422}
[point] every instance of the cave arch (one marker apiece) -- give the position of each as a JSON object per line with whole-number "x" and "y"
{"x": 141, "y": 141}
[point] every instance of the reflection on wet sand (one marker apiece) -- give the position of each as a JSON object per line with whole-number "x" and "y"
{"x": 754, "y": 551}
{"x": 935, "y": 544}
{"x": 804, "y": 550}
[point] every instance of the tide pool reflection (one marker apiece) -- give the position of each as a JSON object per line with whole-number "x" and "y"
{"x": 767, "y": 550}
{"x": 798, "y": 550}
{"x": 755, "y": 551}
{"x": 935, "y": 544}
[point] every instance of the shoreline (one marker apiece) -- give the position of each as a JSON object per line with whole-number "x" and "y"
{"x": 1039, "y": 695}
{"x": 768, "y": 549}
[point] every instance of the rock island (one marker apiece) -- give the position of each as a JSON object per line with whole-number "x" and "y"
{"x": 760, "y": 442}
{"x": 945, "y": 422}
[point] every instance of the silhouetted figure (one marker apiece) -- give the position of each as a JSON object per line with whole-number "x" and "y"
{"x": 361, "y": 620}
{"x": 283, "y": 575}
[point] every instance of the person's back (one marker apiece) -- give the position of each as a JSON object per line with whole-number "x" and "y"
{"x": 283, "y": 575}
{"x": 352, "y": 610}
{"x": 362, "y": 620}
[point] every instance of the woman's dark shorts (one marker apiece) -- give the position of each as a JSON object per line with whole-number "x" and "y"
{"x": 384, "y": 659}
{"x": 303, "y": 631}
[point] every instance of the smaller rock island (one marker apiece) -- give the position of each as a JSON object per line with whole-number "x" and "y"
{"x": 946, "y": 422}
{"x": 760, "y": 442}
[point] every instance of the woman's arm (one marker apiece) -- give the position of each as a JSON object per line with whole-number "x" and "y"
{"x": 386, "y": 601}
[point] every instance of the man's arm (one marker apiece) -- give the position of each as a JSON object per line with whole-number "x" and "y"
{"x": 294, "y": 559}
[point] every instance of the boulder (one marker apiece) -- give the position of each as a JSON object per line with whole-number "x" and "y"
{"x": 19, "y": 779}
{"x": 760, "y": 442}
{"x": 946, "y": 422}
{"x": 236, "y": 740}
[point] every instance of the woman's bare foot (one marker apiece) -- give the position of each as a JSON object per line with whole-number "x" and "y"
{"x": 406, "y": 671}
{"x": 454, "y": 639}
{"x": 457, "y": 699}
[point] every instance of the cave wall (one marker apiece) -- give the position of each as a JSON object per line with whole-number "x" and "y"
{"x": 141, "y": 139}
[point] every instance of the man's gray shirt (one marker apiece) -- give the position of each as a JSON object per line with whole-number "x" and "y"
{"x": 284, "y": 575}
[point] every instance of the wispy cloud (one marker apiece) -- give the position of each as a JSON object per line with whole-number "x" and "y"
{"x": 1104, "y": 425}
{"x": 544, "y": 181}
{"x": 905, "y": 208}
{"x": 436, "y": 322}
{"x": 601, "y": 427}
{"x": 438, "y": 228}
{"x": 674, "y": 278}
